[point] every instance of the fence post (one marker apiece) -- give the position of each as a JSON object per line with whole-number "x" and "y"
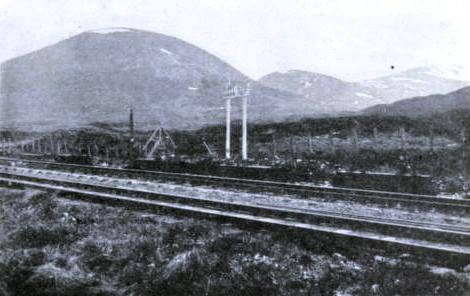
{"x": 354, "y": 138}
{"x": 376, "y": 138}
{"x": 402, "y": 138}
{"x": 310, "y": 144}
{"x": 466, "y": 156}
{"x": 274, "y": 145}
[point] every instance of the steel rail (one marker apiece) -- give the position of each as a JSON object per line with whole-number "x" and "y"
{"x": 442, "y": 233}
{"x": 303, "y": 191}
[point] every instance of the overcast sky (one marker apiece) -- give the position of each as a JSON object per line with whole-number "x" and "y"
{"x": 349, "y": 39}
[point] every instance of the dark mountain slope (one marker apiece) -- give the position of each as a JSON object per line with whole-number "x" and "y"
{"x": 425, "y": 106}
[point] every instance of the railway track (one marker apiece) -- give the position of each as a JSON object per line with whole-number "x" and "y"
{"x": 381, "y": 198}
{"x": 450, "y": 241}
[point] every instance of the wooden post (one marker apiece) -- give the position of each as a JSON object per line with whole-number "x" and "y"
{"x": 354, "y": 138}
{"x": 402, "y": 138}
{"x": 332, "y": 142}
{"x": 466, "y": 156}
{"x": 376, "y": 138}
{"x": 310, "y": 144}
{"x": 106, "y": 149}
{"x": 274, "y": 145}
{"x": 431, "y": 138}
{"x": 51, "y": 144}
{"x": 131, "y": 139}
{"x": 293, "y": 150}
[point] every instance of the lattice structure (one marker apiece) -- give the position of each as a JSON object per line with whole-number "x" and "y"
{"x": 160, "y": 142}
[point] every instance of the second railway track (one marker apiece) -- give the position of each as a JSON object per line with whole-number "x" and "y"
{"x": 382, "y": 198}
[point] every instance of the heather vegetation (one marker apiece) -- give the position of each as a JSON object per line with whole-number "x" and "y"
{"x": 54, "y": 246}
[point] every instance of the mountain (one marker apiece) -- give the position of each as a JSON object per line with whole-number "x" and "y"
{"x": 415, "y": 82}
{"x": 326, "y": 93}
{"x": 426, "y": 105}
{"x": 98, "y": 75}
{"x": 334, "y": 95}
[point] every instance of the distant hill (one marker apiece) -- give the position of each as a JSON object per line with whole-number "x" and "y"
{"x": 327, "y": 93}
{"x": 98, "y": 75}
{"x": 425, "y": 106}
{"x": 333, "y": 95}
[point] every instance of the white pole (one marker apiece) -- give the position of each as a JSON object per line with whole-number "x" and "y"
{"x": 244, "y": 129}
{"x": 227, "y": 129}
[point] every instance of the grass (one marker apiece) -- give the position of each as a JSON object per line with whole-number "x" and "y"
{"x": 52, "y": 246}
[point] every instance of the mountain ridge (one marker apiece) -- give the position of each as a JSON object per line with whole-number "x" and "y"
{"x": 424, "y": 105}
{"x": 355, "y": 96}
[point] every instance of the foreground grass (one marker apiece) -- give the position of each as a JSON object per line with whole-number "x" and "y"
{"x": 51, "y": 246}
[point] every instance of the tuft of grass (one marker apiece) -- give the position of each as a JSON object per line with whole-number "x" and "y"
{"x": 36, "y": 236}
{"x": 57, "y": 247}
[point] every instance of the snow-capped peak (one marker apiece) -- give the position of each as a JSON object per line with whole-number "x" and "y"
{"x": 109, "y": 30}
{"x": 455, "y": 72}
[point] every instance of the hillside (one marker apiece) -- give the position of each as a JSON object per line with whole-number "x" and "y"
{"x": 325, "y": 92}
{"x": 334, "y": 95}
{"x": 98, "y": 75}
{"x": 426, "y": 105}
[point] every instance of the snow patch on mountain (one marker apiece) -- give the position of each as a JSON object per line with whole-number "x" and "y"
{"x": 410, "y": 80}
{"x": 375, "y": 83}
{"x": 363, "y": 95}
{"x": 166, "y": 51}
{"x": 109, "y": 30}
{"x": 455, "y": 72}
{"x": 306, "y": 84}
